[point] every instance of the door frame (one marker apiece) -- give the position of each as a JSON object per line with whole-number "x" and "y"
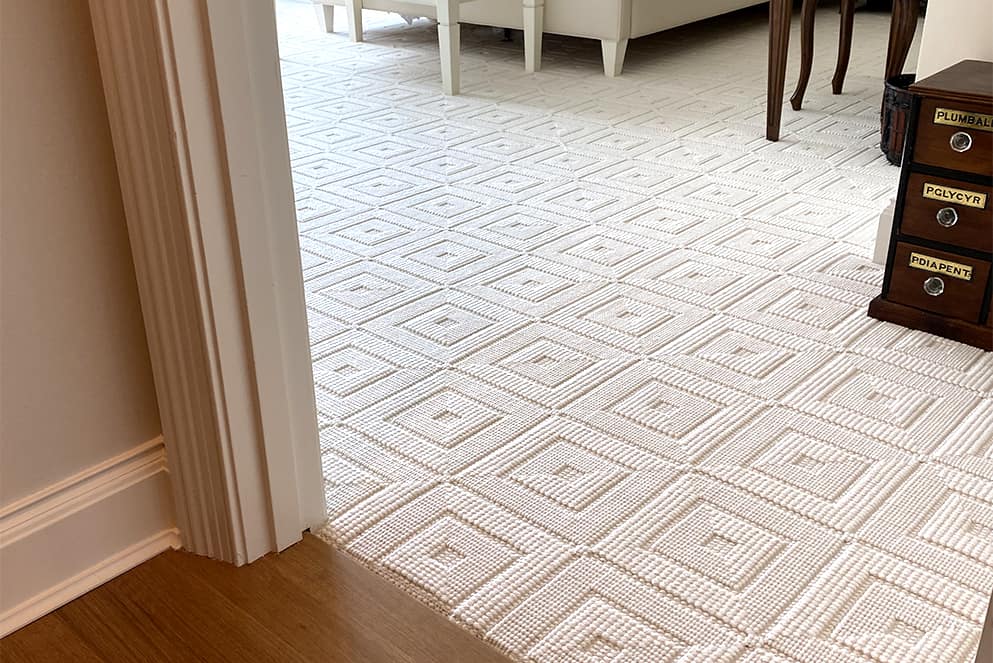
{"x": 194, "y": 98}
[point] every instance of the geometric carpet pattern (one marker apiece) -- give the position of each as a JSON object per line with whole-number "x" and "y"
{"x": 593, "y": 368}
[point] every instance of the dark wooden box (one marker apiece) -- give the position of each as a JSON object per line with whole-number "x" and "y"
{"x": 938, "y": 270}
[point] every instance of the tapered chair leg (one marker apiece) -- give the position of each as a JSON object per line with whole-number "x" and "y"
{"x": 353, "y": 10}
{"x": 844, "y": 45}
{"x": 534, "y": 24}
{"x": 613, "y": 56}
{"x": 449, "y": 45}
{"x": 806, "y": 51}
{"x": 780, "y": 14}
{"x": 325, "y": 16}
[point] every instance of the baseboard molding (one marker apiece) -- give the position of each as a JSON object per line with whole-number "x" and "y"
{"x": 66, "y": 539}
{"x": 96, "y": 575}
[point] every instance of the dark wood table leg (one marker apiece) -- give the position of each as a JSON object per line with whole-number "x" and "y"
{"x": 844, "y": 45}
{"x": 806, "y": 51}
{"x": 780, "y": 14}
{"x": 902, "y": 28}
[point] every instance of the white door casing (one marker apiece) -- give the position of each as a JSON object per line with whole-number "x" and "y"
{"x": 195, "y": 105}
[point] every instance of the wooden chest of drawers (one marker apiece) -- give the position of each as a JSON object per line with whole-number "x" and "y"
{"x": 938, "y": 271}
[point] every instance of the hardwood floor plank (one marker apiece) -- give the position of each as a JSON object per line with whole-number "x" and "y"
{"x": 47, "y": 639}
{"x": 287, "y": 613}
{"x": 122, "y": 622}
{"x": 312, "y": 580}
{"x": 309, "y": 603}
{"x": 203, "y": 618}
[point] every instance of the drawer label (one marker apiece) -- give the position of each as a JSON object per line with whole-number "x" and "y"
{"x": 947, "y": 194}
{"x": 966, "y": 119}
{"x": 946, "y": 267}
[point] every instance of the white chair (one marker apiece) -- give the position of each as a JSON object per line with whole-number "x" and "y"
{"x": 497, "y": 13}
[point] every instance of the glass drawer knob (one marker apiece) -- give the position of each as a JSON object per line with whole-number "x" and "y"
{"x": 947, "y": 217}
{"x": 960, "y": 141}
{"x": 934, "y": 286}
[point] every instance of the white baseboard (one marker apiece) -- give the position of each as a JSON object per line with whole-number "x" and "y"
{"x": 74, "y": 587}
{"x": 72, "y": 536}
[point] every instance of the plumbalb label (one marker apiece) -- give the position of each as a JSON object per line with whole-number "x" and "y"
{"x": 964, "y": 119}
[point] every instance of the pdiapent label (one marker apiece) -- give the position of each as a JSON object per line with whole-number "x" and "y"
{"x": 939, "y": 266}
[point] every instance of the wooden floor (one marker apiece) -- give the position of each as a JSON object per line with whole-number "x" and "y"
{"x": 309, "y": 603}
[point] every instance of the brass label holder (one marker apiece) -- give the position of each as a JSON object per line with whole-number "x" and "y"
{"x": 938, "y": 266}
{"x": 965, "y": 119}
{"x": 947, "y": 194}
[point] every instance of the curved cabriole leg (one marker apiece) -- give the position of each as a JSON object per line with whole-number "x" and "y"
{"x": 534, "y": 25}
{"x": 780, "y": 13}
{"x": 449, "y": 43}
{"x": 844, "y": 45}
{"x": 806, "y": 51}
{"x": 903, "y": 24}
{"x": 613, "y": 56}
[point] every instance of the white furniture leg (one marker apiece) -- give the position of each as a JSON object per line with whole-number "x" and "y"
{"x": 325, "y": 15}
{"x": 353, "y": 9}
{"x": 449, "y": 42}
{"x": 613, "y": 56}
{"x": 534, "y": 24}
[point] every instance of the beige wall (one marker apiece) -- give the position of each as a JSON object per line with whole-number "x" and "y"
{"x": 955, "y": 30}
{"x": 75, "y": 380}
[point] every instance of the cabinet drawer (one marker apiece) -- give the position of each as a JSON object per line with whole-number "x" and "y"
{"x": 944, "y": 283}
{"x": 948, "y": 211}
{"x": 941, "y": 123}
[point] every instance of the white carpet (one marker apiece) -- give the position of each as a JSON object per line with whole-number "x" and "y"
{"x": 593, "y": 365}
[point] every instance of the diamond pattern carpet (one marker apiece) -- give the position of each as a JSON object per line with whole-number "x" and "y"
{"x": 593, "y": 366}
